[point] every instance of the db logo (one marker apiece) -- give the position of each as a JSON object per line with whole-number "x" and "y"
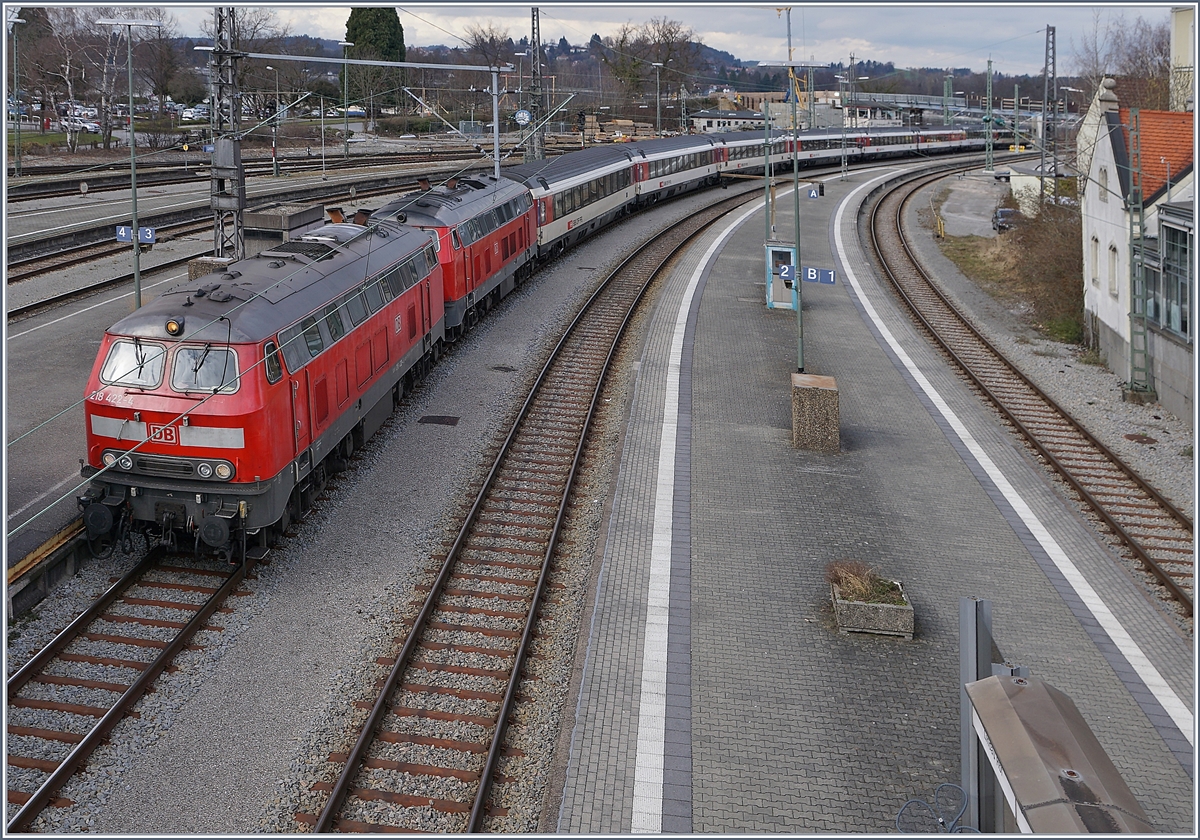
{"x": 164, "y": 434}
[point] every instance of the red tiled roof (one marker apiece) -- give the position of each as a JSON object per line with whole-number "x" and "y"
{"x": 1166, "y": 138}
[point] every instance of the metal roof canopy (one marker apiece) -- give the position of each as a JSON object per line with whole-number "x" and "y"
{"x": 1055, "y": 775}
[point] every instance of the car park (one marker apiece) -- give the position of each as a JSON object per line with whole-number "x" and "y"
{"x": 1003, "y": 218}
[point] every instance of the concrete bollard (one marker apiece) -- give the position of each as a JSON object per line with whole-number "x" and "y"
{"x": 815, "y": 417}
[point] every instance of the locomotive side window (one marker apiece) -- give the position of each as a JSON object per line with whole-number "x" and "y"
{"x": 333, "y": 321}
{"x": 395, "y": 283}
{"x": 418, "y": 261}
{"x": 272, "y": 367}
{"x": 293, "y": 350}
{"x": 312, "y": 336}
{"x": 135, "y": 364}
{"x": 373, "y": 295}
{"x": 356, "y": 308}
{"x": 454, "y": 239}
{"x": 430, "y": 257}
{"x": 205, "y": 369}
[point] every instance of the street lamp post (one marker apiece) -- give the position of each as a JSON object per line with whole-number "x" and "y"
{"x": 275, "y": 126}
{"x": 12, "y": 22}
{"x": 137, "y": 245}
{"x": 345, "y": 100}
{"x": 657, "y": 99}
{"x": 520, "y": 79}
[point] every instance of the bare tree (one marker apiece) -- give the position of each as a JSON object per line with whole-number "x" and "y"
{"x": 1139, "y": 53}
{"x": 158, "y": 59}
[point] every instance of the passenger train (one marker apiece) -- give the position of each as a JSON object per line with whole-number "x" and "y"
{"x": 217, "y": 412}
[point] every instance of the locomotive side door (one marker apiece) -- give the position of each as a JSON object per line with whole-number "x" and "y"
{"x": 302, "y": 428}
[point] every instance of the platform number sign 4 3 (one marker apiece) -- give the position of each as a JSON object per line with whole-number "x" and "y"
{"x": 145, "y": 235}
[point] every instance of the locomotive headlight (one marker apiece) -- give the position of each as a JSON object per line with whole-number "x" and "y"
{"x": 224, "y": 471}
{"x": 174, "y": 326}
{"x": 109, "y": 459}
{"x": 125, "y": 462}
{"x": 204, "y": 470}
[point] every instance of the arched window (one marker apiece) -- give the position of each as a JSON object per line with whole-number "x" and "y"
{"x": 1112, "y": 270}
{"x": 1094, "y": 261}
{"x": 1104, "y": 184}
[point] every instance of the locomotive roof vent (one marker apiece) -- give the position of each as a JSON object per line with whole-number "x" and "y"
{"x": 452, "y": 182}
{"x": 335, "y": 215}
{"x": 361, "y": 215}
{"x": 312, "y": 248}
{"x": 423, "y": 183}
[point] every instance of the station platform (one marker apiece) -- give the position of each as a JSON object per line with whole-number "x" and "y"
{"x": 717, "y": 694}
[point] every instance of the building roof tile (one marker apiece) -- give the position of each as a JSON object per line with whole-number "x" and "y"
{"x": 1166, "y": 141}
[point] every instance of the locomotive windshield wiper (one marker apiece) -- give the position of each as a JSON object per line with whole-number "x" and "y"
{"x": 204, "y": 355}
{"x": 139, "y": 354}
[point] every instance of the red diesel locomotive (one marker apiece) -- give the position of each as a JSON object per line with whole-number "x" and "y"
{"x": 217, "y": 411}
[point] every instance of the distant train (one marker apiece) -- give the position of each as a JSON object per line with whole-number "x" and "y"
{"x": 217, "y": 412}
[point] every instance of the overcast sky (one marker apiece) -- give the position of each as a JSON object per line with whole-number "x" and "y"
{"x": 910, "y": 35}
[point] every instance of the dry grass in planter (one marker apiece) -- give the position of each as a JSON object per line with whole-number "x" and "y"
{"x": 866, "y": 602}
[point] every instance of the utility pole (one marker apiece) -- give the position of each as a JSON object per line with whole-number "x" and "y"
{"x": 796, "y": 204}
{"x": 228, "y": 194}
{"x": 989, "y": 126}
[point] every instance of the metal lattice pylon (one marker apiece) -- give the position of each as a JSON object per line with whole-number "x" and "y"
{"x": 1139, "y": 350}
{"x": 536, "y": 149}
{"x": 228, "y": 194}
{"x": 1049, "y": 103}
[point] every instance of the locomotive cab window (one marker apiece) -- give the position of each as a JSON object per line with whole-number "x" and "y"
{"x": 271, "y": 364}
{"x": 135, "y": 364}
{"x": 205, "y": 368}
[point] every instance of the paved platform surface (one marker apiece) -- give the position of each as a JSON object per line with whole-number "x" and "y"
{"x": 717, "y": 695}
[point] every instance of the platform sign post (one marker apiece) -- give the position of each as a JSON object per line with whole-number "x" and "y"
{"x": 781, "y": 271}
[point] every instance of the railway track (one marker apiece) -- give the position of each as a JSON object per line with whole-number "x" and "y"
{"x": 1148, "y": 531}
{"x": 65, "y": 701}
{"x": 20, "y": 270}
{"x": 66, "y": 181}
{"x": 431, "y": 755}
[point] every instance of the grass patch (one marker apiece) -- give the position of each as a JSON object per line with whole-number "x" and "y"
{"x": 1037, "y": 268}
{"x": 1090, "y": 356}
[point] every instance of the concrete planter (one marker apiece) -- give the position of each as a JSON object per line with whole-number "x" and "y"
{"x": 863, "y": 617}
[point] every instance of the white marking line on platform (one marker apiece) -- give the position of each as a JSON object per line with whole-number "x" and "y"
{"x": 1140, "y": 663}
{"x": 72, "y": 477}
{"x": 652, "y": 705}
{"x": 104, "y": 302}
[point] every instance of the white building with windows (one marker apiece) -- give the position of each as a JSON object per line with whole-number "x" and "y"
{"x": 1163, "y": 172}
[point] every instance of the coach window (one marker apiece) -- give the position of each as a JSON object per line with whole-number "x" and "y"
{"x": 134, "y": 364}
{"x": 271, "y": 365}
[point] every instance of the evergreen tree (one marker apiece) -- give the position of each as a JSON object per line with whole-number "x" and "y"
{"x": 376, "y": 34}
{"x": 377, "y": 31}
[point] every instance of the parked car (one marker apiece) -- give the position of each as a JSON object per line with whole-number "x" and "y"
{"x": 77, "y": 124}
{"x": 1003, "y": 218}
{"x": 1003, "y": 175}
